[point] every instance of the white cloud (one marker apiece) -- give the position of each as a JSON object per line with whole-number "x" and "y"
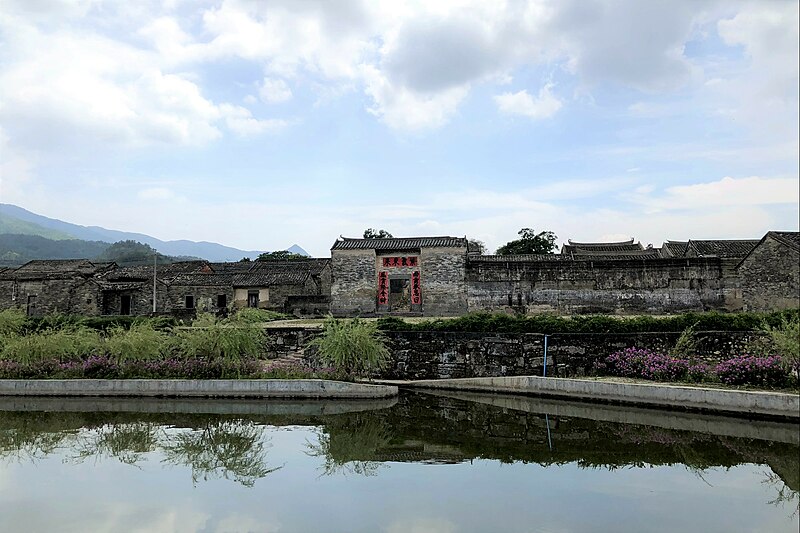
{"x": 274, "y": 91}
{"x": 726, "y": 192}
{"x": 405, "y": 109}
{"x": 544, "y": 105}
{"x": 241, "y": 122}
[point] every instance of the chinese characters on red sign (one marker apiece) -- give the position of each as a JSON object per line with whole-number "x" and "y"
{"x": 383, "y": 288}
{"x": 400, "y": 261}
{"x": 416, "y": 295}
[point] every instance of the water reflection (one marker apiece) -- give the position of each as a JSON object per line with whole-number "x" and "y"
{"x": 418, "y": 429}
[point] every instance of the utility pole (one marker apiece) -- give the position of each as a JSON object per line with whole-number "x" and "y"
{"x": 155, "y": 259}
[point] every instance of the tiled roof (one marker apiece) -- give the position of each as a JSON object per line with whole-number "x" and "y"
{"x": 231, "y": 267}
{"x": 121, "y": 285}
{"x": 57, "y": 265}
{"x": 674, "y": 248}
{"x": 520, "y": 258}
{"x": 399, "y": 244}
{"x": 625, "y": 254}
{"x": 39, "y": 268}
{"x": 790, "y": 238}
{"x": 311, "y": 266}
{"x": 269, "y": 279}
{"x": 582, "y": 248}
{"x": 201, "y": 280}
{"x": 629, "y": 242}
{"x": 722, "y": 248}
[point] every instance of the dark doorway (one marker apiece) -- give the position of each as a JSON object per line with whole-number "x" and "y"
{"x": 400, "y": 294}
{"x": 125, "y": 304}
{"x": 252, "y": 299}
{"x": 31, "y": 309}
{"x": 222, "y": 301}
{"x": 189, "y": 302}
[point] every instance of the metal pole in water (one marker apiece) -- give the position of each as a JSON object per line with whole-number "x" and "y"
{"x": 544, "y": 370}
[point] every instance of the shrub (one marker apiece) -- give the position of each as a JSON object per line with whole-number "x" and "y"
{"x": 141, "y": 341}
{"x": 750, "y": 370}
{"x": 646, "y": 364}
{"x": 221, "y": 340}
{"x": 352, "y": 346}
{"x": 251, "y": 315}
{"x": 12, "y": 322}
{"x": 686, "y": 345}
{"x": 62, "y": 344}
{"x": 785, "y": 338}
{"x": 504, "y": 323}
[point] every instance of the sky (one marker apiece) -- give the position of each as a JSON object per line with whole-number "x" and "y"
{"x": 261, "y": 124}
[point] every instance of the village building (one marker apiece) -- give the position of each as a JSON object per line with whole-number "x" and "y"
{"x": 53, "y": 286}
{"x": 431, "y": 276}
{"x": 412, "y": 275}
{"x": 770, "y": 273}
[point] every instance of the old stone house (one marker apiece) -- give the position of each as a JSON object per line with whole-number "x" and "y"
{"x": 297, "y": 286}
{"x": 770, "y": 273}
{"x": 416, "y": 275}
{"x": 53, "y": 286}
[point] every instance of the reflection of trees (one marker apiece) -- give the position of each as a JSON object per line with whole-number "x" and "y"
{"x": 786, "y": 496}
{"x": 26, "y": 436}
{"x": 350, "y": 443}
{"x": 125, "y": 442}
{"x": 229, "y": 449}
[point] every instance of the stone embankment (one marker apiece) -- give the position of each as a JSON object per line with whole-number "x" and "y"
{"x": 212, "y": 388}
{"x": 733, "y": 402}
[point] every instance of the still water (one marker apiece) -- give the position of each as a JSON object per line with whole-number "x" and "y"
{"x": 421, "y": 464}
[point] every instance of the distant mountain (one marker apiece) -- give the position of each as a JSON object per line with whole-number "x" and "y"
{"x": 16, "y": 249}
{"x": 17, "y": 217}
{"x": 9, "y": 224}
{"x": 295, "y": 249}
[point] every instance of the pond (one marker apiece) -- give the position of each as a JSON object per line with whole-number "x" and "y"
{"x": 418, "y": 463}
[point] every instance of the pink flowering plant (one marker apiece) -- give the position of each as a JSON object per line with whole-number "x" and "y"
{"x": 641, "y": 363}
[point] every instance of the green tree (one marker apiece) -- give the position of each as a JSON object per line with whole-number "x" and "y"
{"x": 370, "y": 233}
{"x": 476, "y": 245}
{"x": 280, "y": 255}
{"x": 530, "y": 242}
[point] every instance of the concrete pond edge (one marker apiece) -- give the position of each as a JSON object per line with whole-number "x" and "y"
{"x": 194, "y": 388}
{"x": 731, "y": 402}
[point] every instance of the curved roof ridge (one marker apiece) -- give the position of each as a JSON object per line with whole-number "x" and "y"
{"x": 574, "y": 243}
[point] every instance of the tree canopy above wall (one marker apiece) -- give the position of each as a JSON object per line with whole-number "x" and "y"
{"x": 530, "y": 242}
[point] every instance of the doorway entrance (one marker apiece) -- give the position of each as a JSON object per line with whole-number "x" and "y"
{"x": 125, "y": 304}
{"x": 400, "y": 294}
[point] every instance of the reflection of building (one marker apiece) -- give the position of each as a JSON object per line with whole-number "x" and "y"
{"x": 433, "y": 276}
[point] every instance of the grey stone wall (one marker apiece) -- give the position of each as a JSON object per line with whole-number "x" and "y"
{"x": 443, "y": 281}
{"x": 53, "y": 295}
{"x": 353, "y": 282}
{"x": 205, "y": 297}
{"x": 654, "y": 286}
{"x": 770, "y": 277}
{"x": 440, "y": 355}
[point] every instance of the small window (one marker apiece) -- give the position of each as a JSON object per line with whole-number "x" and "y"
{"x": 189, "y": 302}
{"x": 222, "y": 301}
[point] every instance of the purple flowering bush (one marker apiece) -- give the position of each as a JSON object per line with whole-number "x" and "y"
{"x": 108, "y": 367}
{"x": 645, "y": 364}
{"x": 750, "y": 370}
{"x": 741, "y": 370}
